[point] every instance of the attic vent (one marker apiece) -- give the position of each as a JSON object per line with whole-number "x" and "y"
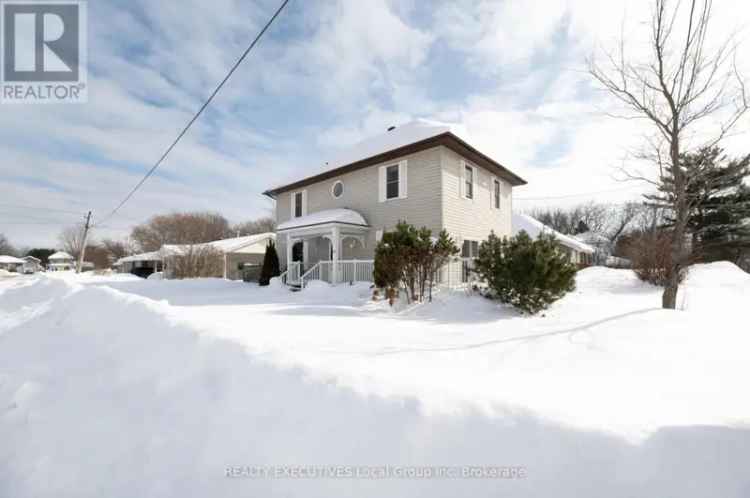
{"x": 391, "y": 128}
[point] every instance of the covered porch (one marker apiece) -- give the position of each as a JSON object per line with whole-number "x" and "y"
{"x": 329, "y": 245}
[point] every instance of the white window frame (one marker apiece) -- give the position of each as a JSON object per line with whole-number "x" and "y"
{"x": 403, "y": 178}
{"x": 474, "y": 172}
{"x": 303, "y": 196}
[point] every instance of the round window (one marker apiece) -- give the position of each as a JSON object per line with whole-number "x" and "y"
{"x": 337, "y": 190}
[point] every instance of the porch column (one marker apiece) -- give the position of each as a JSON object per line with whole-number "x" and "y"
{"x": 288, "y": 250}
{"x": 225, "y": 266}
{"x": 335, "y": 247}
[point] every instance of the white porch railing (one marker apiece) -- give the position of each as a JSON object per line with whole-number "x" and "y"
{"x": 347, "y": 271}
{"x": 455, "y": 274}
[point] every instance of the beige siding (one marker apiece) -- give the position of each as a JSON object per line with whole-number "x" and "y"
{"x": 420, "y": 208}
{"x": 473, "y": 219}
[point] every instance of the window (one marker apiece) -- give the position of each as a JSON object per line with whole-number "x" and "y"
{"x": 337, "y": 190}
{"x": 469, "y": 182}
{"x": 391, "y": 182}
{"x": 496, "y": 194}
{"x": 297, "y": 204}
{"x": 470, "y": 249}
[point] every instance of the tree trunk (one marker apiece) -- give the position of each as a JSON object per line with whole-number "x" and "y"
{"x": 669, "y": 297}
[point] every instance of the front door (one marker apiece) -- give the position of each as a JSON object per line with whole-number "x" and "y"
{"x": 298, "y": 253}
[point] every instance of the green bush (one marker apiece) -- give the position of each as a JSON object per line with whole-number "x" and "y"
{"x": 409, "y": 257}
{"x": 529, "y": 274}
{"x": 270, "y": 265}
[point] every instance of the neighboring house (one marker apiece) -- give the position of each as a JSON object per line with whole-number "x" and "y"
{"x": 61, "y": 261}
{"x": 603, "y": 247}
{"x": 32, "y": 264}
{"x": 578, "y": 252}
{"x": 235, "y": 254}
{"x": 141, "y": 265}
{"x": 423, "y": 173}
{"x": 11, "y": 263}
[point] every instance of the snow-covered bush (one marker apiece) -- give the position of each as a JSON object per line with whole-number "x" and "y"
{"x": 410, "y": 257}
{"x": 529, "y": 274}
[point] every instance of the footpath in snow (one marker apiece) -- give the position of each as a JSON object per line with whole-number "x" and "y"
{"x": 116, "y": 386}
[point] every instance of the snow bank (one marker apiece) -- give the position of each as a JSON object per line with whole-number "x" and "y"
{"x": 145, "y": 388}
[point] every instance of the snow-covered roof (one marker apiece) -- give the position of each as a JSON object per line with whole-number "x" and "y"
{"x": 225, "y": 246}
{"x": 593, "y": 238}
{"x": 237, "y": 243}
{"x": 395, "y": 138}
{"x": 409, "y": 133}
{"x": 534, "y": 228}
{"x": 11, "y": 260}
{"x": 60, "y": 255}
{"x": 342, "y": 216}
{"x": 146, "y": 256}
{"x": 31, "y": 258}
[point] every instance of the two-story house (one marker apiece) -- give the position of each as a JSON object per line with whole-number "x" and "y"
{"x": 423, "y": 173}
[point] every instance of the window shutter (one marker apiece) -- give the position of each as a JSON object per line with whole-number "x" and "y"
{"x": 304, "y": 203}
{"x": 378, "y": 236}
{"x": 381, "y": 184}
{"x": 403, "y": 185}
{"x": 474, "y": 183}
{"x": 292, "y": 211}
{"x": 462, "y": 180}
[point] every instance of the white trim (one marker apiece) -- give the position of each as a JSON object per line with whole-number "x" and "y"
{"x": 381, "y": 184}
{"x": 403, "y": 182}
{"x": 401, "y": 167}
{"x": 333, "y": 187}
{"x": 304, "y": 204}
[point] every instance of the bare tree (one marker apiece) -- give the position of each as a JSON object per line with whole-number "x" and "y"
{"x": 261, "y": 225}
{"x": 180, "y": 228}
{"x": 71, "y": 240}
{"x": 5, "y": 246}
{"x": 680, "y": 84}
{"x": 197, "y": 261}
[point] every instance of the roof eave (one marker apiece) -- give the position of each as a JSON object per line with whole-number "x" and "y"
{"x": 434, "y": 141}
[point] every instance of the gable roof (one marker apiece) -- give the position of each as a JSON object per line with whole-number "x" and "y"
{"x": 412, "y": 137}
{"x": 60, "y": 255}
{"x": 534, "y": 228}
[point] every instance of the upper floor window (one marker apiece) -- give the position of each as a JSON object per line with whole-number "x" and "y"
{"x": 298, "y": 204}
{"x": 391, "y": 182}
{"x": 468, "y": 182}
{"x": 496, "y": 193}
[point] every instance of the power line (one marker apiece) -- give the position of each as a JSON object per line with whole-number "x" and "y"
{"x": 196, "y": 116}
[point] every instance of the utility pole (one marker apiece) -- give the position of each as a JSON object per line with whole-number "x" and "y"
{"x": 83, "y": 242}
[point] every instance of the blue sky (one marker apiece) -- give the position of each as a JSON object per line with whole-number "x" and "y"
{"x": 328, "y": 74}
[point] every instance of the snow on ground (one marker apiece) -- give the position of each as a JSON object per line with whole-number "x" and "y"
{"x": 117, "y": 386}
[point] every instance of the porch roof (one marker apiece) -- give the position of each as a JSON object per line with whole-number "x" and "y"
{"x": 345, "y": 217}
